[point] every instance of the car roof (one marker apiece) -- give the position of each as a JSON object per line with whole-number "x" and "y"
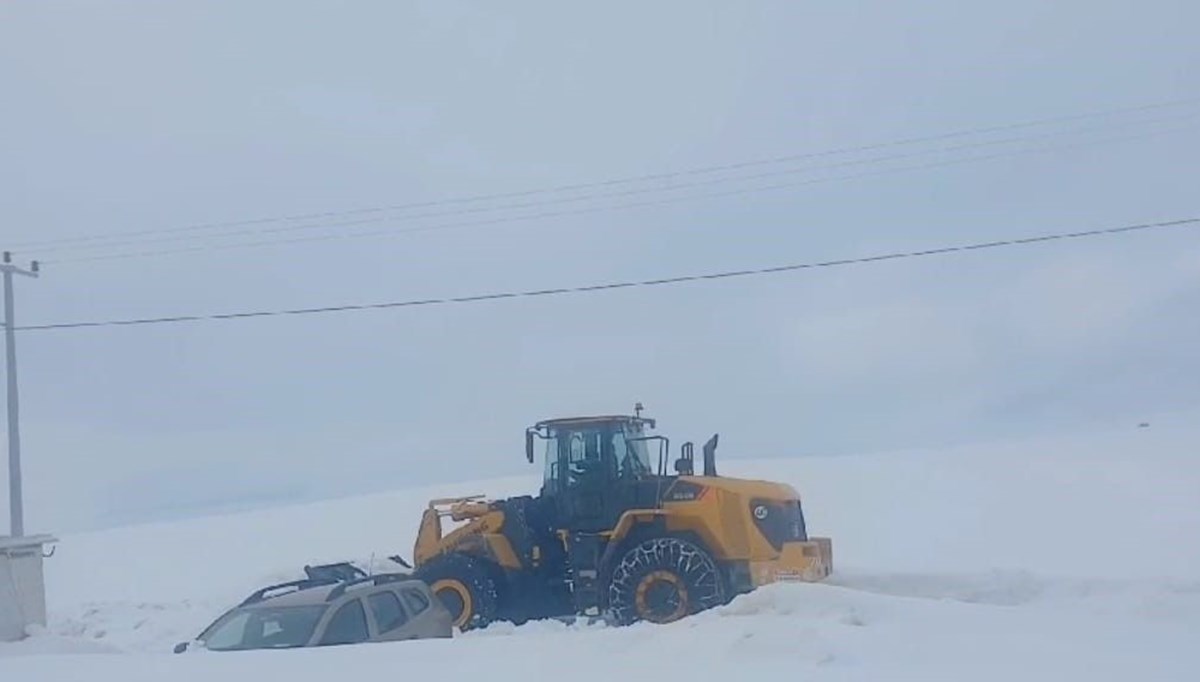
{"x": 310, "y": 596}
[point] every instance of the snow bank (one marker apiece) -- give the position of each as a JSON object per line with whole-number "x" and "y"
{"x": 1052, "y": 559}
{"x": 816, "y": 632}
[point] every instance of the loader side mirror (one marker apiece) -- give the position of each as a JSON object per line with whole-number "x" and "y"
{"x": 529, "y": 445}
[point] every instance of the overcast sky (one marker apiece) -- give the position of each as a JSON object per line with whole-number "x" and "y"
{"x": 126, "y": 116}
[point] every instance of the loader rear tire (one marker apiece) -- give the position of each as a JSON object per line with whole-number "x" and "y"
{"x": 663, "y": 580}
{"x": 465, "y": 586}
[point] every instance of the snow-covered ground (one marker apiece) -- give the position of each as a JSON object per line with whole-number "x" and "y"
{"x": 1054, "y": 559}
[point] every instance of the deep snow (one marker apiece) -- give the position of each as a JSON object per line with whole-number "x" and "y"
{"x": 1056, "y": 559}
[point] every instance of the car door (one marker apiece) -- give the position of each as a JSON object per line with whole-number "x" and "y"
{"x": 427, "y": 616}
{"x": 391, "y": 619}
{"x": 347, "y": 625}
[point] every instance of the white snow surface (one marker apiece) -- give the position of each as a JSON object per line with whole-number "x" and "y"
{"x": 1053, "y": 559}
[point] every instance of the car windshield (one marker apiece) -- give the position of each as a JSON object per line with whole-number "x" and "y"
{"x": 264, "y": 627}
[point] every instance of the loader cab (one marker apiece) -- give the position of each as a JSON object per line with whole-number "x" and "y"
{"x": 596, "y": 467}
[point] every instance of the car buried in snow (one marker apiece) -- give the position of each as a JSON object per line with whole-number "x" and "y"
{"x": 333, "y": 606}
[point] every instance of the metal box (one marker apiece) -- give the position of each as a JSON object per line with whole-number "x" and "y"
{"x": 22, "y": 585}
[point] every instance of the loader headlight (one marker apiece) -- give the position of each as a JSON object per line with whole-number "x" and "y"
{"x": 760, "y": 512}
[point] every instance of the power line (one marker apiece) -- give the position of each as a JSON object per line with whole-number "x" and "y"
{"x": 16, "y": 503}
{"x": 729, "y": 274}
{"x": 619, "y": 181}
{"x": 597, "y": 209}
{"x": 617, "y": 194}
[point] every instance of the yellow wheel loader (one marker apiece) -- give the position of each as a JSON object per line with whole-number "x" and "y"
{"x": 613, "y": 535}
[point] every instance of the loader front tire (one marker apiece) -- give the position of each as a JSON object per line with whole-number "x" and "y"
{"x": 465, "y": 587}
{"x": 663, "y": 580}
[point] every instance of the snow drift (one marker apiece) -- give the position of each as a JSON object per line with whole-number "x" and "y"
{"x": 1050, "y": 559}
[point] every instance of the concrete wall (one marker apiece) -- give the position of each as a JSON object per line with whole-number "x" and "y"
{"x": 22, "y": 587}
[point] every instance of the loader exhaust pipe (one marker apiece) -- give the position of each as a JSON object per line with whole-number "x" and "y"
{"x": 710, "y": 456}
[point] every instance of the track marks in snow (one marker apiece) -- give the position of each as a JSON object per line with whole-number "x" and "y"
{"x": 141, "y": 627}
{"x": 44, "y": 643}
{"x": 1000, "y": 588}
{"x": 779, "y": 622}
{"x": 1159, "y": 600}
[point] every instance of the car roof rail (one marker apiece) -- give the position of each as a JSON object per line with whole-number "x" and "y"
{"x": 296, "y": 585}
{"x": 377, "y": 579}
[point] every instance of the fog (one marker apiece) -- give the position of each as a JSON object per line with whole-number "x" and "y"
{"x": 125, "y": 117}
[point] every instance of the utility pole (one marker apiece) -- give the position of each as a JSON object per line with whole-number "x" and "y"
{"x": 15, "y": 501}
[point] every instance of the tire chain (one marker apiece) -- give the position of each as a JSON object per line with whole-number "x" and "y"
{"x": 693, "y": 565}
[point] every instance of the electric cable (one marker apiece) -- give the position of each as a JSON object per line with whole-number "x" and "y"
{"x": 628, "y": 284}
{"x": 46, "y": 245}
{"x": 660, "y": 201}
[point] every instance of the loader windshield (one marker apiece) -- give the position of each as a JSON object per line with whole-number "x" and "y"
{"x": 635, "y": 460}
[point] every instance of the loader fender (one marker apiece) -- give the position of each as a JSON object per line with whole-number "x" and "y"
{"x": 466, "y": 586}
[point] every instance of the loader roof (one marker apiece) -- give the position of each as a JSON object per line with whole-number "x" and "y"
{"x": 595, "y": 419}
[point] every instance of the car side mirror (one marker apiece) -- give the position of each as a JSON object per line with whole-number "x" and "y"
{"x": 181, "y": 647}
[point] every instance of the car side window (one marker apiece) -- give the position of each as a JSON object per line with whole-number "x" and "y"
{"x": 389, "y": 615}
{"x": 417, "y": 602}
{"x": 348, "y": 626}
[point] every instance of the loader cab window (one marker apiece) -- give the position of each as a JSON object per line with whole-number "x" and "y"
{"x": 551, "y": 456}
{"x": 598, "y": 454}
{"x": 573, "y": 456}
{"x": 585, "y": 457}
{"x": 633, "y": 456}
